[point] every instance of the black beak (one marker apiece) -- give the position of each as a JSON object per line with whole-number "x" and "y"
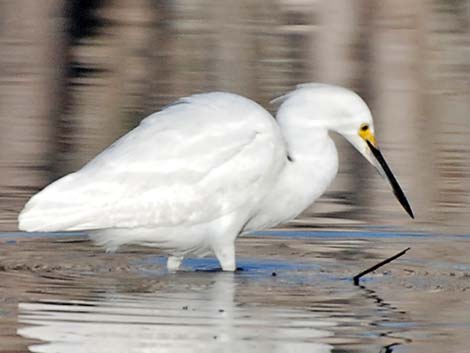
{"x": 391, "y": 178}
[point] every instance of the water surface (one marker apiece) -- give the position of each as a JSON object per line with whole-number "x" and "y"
{"x": 294, "y": 293}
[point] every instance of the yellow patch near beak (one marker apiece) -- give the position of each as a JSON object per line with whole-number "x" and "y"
{"x": 366, "y": 134}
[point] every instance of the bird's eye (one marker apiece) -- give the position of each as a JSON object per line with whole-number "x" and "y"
{"x": 365, "y": 127}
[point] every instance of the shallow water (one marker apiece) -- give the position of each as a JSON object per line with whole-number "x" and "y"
{"x": 293, "y": 293}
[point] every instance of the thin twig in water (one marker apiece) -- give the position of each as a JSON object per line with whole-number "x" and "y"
{"x": 357, "y": 277}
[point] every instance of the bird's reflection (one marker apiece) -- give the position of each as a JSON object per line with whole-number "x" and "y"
{"x": 199, "y": 315}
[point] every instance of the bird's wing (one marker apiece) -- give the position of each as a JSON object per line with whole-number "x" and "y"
{"x": 190, "y": 163}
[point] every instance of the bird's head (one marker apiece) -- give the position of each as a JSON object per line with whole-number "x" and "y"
{"x": 341, "y": 110}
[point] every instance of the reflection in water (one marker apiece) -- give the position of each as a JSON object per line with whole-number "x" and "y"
{"x": 70, "y": 297}
{"x": 213, "y": 312}
{"x": 202, "y": 316}
{"x": 391, "y": 310}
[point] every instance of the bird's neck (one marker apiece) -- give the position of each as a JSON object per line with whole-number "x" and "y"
{"x": 314, "y": 161}
{"x": 304, "y": 145}
{"x": 312, "y": 167}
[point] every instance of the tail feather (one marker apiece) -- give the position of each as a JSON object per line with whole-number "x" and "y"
{"x": 56, "y": 208}
{"x": 53, "y": 219}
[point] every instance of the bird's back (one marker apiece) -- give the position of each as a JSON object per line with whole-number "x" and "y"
{"x": 198, "y": 159}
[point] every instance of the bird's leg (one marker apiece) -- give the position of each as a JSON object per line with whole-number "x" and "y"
{"x": 173, "y": 263}
{"x": 225, "y": 253}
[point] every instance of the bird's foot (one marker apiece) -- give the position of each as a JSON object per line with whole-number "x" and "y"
{"x": 225, "y": 253}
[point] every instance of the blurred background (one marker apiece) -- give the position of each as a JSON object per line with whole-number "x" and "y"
{"x": 77, "y": 74}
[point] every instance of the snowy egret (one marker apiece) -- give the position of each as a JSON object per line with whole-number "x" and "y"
{"x": 192, "y": 177}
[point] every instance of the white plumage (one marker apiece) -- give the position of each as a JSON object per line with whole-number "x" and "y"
{"x": 192, "y": 177}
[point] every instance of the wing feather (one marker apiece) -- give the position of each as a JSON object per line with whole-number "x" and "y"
{"x": 184, "y": 165}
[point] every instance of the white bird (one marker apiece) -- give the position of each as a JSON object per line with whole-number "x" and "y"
{"x": 194, "y": 176}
